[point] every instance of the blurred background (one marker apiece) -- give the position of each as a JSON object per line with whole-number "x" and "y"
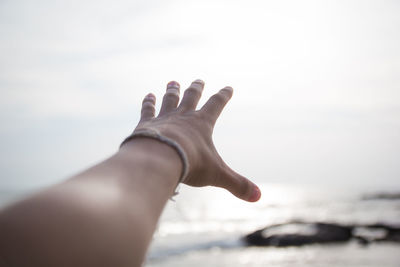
{"x": 316, "y": 105}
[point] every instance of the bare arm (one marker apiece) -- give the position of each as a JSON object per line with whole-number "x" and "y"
{"x": 106, "y": 215}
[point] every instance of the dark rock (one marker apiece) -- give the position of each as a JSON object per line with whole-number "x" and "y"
{"x": 382, "y": 196}
{"x": 301, "y": 233}
{"x": 320, "y": 233}
{"x": 392, "y": 232}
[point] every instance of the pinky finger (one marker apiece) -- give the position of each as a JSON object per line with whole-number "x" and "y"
{"x": 148, "y": 107}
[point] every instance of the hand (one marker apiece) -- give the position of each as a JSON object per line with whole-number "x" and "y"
{"x": 192, "y": 130}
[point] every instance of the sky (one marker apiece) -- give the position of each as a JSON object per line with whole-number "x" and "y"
{"x": 316, "y": 84}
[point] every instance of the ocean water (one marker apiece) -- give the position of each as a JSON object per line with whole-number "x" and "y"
{"x": 203, "y": 227}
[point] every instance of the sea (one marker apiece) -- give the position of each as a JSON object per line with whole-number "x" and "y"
{"x": 204, "y": 226}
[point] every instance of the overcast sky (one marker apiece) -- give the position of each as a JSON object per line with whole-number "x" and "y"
{"x": 317, "y": 84}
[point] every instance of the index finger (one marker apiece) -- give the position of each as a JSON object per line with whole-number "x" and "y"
{"x": 214, "y": 106}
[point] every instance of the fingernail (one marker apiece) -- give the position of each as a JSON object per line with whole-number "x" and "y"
{"x": 173, "y": 84}
{"x": 199, "y": 81}
{"x": 255, "y": 195}
{"x": 150, "y": 95}
{"x": 228, "y": 88}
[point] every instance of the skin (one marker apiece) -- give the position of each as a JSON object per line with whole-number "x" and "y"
{"x": 107, "y": 215}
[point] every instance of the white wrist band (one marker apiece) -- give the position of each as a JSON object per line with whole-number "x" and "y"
{"x": 155, "y": 135}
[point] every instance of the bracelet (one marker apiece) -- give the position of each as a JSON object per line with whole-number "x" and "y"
{"x": 156, "y": 135}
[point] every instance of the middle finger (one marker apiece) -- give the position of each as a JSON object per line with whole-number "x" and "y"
{"x": 192, "y": 96}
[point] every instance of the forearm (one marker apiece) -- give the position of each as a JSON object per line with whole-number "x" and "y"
{"x": 104, "y": 216}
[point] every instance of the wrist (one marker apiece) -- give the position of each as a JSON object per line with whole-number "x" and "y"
{"x": 156, "y": 158}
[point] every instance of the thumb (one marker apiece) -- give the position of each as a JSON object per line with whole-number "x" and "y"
{"x": 238, "y": 185}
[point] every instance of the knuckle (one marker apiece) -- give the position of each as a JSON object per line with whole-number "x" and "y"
{"x": 148, "y": 105}
{"x": 147, "y": 100}
{"x": 206, "y": 118}
{"x": 171, "y": 95}
{"x": 220, "y": 98}
{"x": 193, "y": 90}
{"x": 172, "y": 91}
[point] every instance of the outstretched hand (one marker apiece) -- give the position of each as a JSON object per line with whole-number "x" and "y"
{"x": 192, "y": 130}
